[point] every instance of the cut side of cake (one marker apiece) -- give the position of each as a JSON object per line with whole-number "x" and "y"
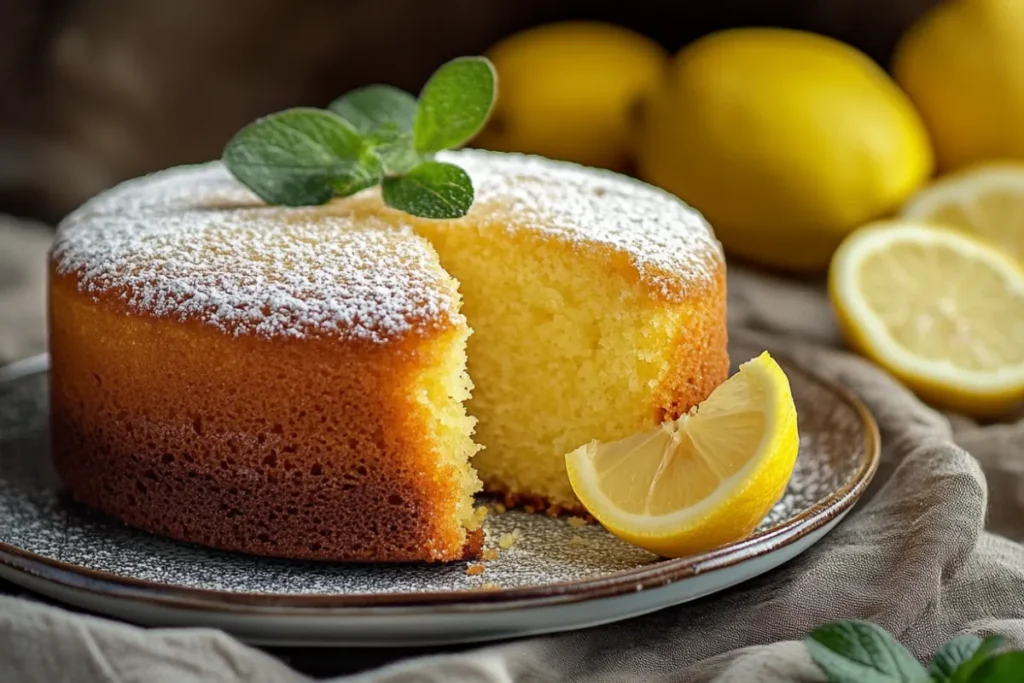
{"x": 597, "y": 308}
{"x": 337, "y": 382}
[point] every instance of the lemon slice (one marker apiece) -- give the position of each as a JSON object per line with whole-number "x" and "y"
{"x": 701, "y": 481}
{"x": 941, "y": 310}
{"x": 986, "y": 200}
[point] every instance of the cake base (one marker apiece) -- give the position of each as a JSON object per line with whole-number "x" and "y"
{"x": 184, "y": 500}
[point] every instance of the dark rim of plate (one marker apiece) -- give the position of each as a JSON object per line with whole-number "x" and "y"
{"x": 656, "y": 575}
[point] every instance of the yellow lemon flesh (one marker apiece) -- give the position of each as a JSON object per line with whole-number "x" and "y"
{"x": 963, "y": 66}
{"x": 702, "y": 481}
{"x": 986, "y": 200}
{"x": 569, "y": 91}
{"x": 785, "y": 140}
{"x": 939, "y": 309}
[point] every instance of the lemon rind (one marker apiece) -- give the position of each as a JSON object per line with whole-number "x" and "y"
{"x": 961, "y": 187}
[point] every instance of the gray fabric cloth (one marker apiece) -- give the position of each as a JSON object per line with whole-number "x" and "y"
{"x": 917, "y": 556}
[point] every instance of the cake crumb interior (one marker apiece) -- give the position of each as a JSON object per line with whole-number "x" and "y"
{"x": 441, "y": 390}
{"x": 562, "y": 351}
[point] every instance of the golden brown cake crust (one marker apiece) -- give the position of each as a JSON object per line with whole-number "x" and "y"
{"x": 701, "y": 360}
{"x": 286, "y": 448}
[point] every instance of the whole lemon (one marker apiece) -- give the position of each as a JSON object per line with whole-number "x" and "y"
{"x": 962, "y": 64}
{"x": 785, "y": 140}
{"x": 568, "y": 90}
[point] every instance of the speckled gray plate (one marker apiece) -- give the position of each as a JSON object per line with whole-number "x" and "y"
{"x": 555, "y": 578}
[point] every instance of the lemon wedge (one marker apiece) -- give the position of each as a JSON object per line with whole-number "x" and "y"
{"x": 939, "y": 309}
{"x": 985, "y": 200}
{"x": 699, "y": 482}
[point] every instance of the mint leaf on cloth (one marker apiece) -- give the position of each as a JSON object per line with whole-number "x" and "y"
{"x": 862, "y": 652}
{"x": 430, "y": 190}
{"x": 377, "y": 106}
{"x": 454, "y": 104}
{"x": 957, "y": 659}
{"x": 301, "y": 157}
{"x": 1007, "y": 667}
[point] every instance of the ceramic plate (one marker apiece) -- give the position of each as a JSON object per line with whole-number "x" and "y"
{"x": 556, "y": 577}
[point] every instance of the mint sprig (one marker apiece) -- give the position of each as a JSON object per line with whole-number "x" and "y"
{"x": 861, "y": 652}
{"x": 455, "y": 104}
{"x": 302, "y": 156}
{"x": 384, "y": 115}
{"x": 377, "y": 135}
{"x": 376, "y": 106}
{"x": 430, "y": 189}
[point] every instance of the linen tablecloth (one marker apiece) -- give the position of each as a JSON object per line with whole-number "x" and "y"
{"x": 932, "y": 551}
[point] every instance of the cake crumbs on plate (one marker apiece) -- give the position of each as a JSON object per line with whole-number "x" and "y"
{"x": 580, "y": 542}
{"x": 480, "y": 512}
{"x": 498, "y": 508}
{"x": 577, "y": 522}
{"x": 508, "y": 540}
{"x": 490, "y": 554}
{"x": 490, "y": 586}
{"x": 475, "y": 569}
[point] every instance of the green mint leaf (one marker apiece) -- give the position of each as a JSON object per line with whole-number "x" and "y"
{"x": 384, "y": 115}
{"x": 454, "y": 104}
{"x": 301, "y": 157}
{"x": 957, "y": 659}
{"x": 430, "y": 190}
{"x": 1007, "y": 667}
{"x": 376, "y": 106}
{"x": 367, "y": 173}
{"x": 395, "y": 149}
{"x": 951, "y": 656}
{"x": 862, "y": 652}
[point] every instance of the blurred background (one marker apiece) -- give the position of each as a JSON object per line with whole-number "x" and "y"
{"x": 96, "y": 91}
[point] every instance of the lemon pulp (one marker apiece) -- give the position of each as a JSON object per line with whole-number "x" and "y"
{"x": 986, "y": 200}
{"x": 703, "y": 480}
{"x": 939, "y": 309}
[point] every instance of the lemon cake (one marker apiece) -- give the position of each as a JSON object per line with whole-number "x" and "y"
{"x": 337, "y": 382}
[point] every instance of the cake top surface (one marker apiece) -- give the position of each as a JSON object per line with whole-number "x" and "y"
{"x": 193, "y": 243}
{"x": 594, "y": 206}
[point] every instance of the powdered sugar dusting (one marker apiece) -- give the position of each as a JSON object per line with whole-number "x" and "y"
{"x": 191, "y": 243}
{"x": 669, "y": 243}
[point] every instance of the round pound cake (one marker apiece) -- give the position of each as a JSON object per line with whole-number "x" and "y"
{"x": 337, "y": 382}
